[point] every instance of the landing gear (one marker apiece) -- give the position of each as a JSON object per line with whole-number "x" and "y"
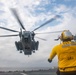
{"x": 20, "y": 51}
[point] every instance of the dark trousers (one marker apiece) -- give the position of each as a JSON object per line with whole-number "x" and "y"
{"x": 68, "y": 73}
{"x": 58, "y": 72}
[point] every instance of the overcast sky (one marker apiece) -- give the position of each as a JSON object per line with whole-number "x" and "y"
{"x": 33, "y": 13}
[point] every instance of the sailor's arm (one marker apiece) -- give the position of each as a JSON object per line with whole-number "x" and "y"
{"x": 52, "y": 55}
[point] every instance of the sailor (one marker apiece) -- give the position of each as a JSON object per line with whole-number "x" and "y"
{"x": 66, "y": 52}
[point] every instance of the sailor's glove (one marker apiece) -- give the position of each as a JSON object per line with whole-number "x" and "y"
{"x": 49, "y": 60}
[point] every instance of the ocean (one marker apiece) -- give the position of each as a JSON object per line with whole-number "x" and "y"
{"x": 24, "y": 71}
{"x": 32, "y": 73}
{"x": 41, "y": 73}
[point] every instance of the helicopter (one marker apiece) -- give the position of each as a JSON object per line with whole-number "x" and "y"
{"x": 27, "y": 43}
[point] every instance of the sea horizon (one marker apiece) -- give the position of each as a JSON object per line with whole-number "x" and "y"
{"x": 24, "y": 68}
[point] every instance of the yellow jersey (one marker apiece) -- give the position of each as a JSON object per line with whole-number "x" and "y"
{"x": 66, "y": 52}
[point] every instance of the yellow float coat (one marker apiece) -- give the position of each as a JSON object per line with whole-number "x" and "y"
{"x": 66, "y": 53}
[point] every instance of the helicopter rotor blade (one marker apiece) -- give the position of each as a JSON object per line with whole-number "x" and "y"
{"x": 41, "y": 38}
{"x": 49, "y": 32}
{"x": 9, "y": 35}
{"x": 8, "y": 29}
{"x": 50, "y": 20}
{"x": 17, "y": 17}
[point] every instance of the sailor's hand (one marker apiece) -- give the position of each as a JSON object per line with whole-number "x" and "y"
{"x": 49, "y": 60}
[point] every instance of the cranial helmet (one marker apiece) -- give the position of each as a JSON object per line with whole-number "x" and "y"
{"x": 66, "y": 35}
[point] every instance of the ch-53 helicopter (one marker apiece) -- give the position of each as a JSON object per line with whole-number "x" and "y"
{"x": 27, "y": 43}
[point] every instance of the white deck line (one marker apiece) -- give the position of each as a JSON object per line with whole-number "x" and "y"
{"x": 23, "y": 74}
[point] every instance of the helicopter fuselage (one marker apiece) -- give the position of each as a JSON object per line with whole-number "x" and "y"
{"x": 27, "y": 43}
